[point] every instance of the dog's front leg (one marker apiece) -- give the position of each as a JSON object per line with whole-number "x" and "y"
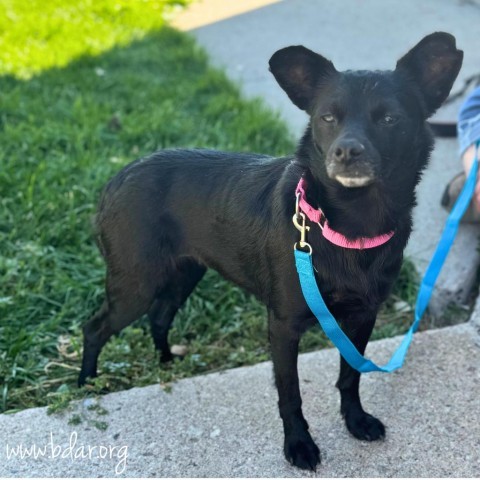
{"x": 360, "y": 424}
{"x": 300, "y": 450}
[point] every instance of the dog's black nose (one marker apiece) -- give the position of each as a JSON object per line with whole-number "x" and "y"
{"x": 348, "y": 150}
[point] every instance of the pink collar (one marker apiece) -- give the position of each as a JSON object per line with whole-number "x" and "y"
{"x": 331, "y": 235}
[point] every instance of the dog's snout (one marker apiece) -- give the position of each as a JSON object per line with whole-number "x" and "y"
{"x": 348, "y": 150}
{"x": 351, "y": 162}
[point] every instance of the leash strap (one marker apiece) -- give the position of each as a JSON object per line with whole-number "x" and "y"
{"x": 315, "y": 302}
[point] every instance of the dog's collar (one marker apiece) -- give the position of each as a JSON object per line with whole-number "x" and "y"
{"x": 331, "y": 235}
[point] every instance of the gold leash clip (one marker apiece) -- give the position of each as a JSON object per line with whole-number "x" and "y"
{"x": 303, "y": 229}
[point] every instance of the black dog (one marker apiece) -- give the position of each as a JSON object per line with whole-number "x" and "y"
{"x": 165, "y": 219}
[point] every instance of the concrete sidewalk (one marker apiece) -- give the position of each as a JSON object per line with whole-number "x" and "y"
{"x": 371, "y": 34}
{"x": 227, "y": 424}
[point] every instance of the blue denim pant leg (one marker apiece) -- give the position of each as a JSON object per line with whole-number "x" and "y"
{"x": 469, "y": 121}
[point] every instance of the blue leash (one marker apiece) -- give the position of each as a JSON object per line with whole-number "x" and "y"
{"x": 303, "y": 261}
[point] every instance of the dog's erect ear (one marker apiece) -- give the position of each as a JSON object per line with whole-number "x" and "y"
{"x": 433, "y": 64}
{"x": 298, "y": 70}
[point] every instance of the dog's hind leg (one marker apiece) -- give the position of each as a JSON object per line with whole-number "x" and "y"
{"x": 168, "y": 301}
{"x": 359, "y": 423}
{"x": 128, "y": 298}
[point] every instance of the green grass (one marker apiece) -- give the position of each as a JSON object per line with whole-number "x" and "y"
{"x": 38, "y": 34}
{"x": 72, "y": 113}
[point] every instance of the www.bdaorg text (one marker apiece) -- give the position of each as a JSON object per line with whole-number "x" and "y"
{"x": 73, "y": 452}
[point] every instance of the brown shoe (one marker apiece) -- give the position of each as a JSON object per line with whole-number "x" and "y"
{"x": 450, "y": 195}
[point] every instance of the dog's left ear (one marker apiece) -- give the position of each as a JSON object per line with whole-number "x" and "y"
{"x": 298, "y": 71}
{"x": 433, "y": 64}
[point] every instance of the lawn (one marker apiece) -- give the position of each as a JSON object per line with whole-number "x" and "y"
{"x": 84, "y": 90}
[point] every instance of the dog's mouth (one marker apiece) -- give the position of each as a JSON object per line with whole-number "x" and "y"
{"x": 354, "y": 181}
{"x": 352, "y": 176}
{"x": 352, "y": 173}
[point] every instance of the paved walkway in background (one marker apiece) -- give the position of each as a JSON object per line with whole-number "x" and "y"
{"x": 227, "y": 424}
{"x": 371, "y": 34}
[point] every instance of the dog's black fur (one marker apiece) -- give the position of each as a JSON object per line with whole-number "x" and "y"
{"x": 165, "y": 219}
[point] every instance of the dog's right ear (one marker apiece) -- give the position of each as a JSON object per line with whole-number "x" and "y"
{"x": 298, "y": 71}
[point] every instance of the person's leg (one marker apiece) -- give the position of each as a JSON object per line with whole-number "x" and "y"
{"x": 469, "y": 134}
{"x": 467, "y": 159}
{"x": 468, "y": 131}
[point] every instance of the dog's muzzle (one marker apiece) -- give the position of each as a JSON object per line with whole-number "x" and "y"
{"x": 350, "y": 164}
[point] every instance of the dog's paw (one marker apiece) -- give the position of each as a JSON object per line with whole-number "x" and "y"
{"x": 82, "y": 380}
{"x": 365, "y": 426}
{"x": 176, "y": 352}
{"x": 169, "y": 357}
{"x": 84, "y": 376}
{"x": 302, "y": 452}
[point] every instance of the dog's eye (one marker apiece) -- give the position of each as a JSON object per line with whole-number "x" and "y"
{"x": 329, "y": 118}
{"x": 388, "y": 119}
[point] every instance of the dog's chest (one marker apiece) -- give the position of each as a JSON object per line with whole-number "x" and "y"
{"x": 352, "y": 279}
